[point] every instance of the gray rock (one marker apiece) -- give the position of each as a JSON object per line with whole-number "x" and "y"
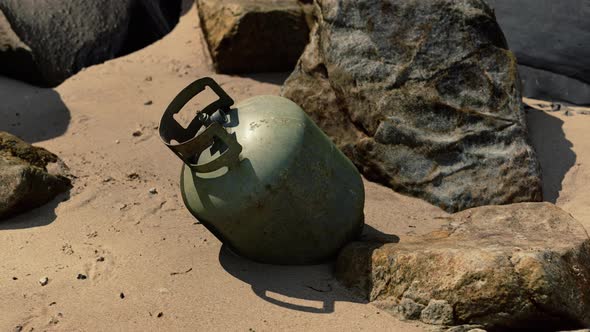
{"x": 423, "y": 96}
{"x": 550, "y": 39}
{"x": 513, "y": 266}
{"x": 408, "y": 309}
{"x": 437, "y": 312}
{"x": 60, "y": 37}
{"x": 249, "y": 36}
{"x": 25, "y": 182}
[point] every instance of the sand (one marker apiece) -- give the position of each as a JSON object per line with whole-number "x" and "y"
{"x": 148, "y": 265}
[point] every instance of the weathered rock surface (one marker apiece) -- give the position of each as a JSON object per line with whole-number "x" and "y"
{"x": 519, "y": 265}
{"x": 248, "y": 36}
{"x": 25, "y": 181}
{"x": 60, "y": 37}
{"x": 550, "y": 40}
{"x": 423, "y": 96}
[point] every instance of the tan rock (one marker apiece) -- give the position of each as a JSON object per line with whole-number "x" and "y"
{"x": 26, "y": 177}
{"x": 496, "y": 266}
{"x": 248, "y": 36}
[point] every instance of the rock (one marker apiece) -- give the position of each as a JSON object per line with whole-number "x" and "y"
{"x": 54, "y": 39}
{"x": 25, "y": 182}
{"x": 519, "y": 265}
{"x": 550, "y": 40}
{"x": 423, "y": 96}
{"x": 43, "y": 281}
{"x": 81, "y": 276}
{"x": 408, "y": 309}
{"x": 465, "y": 328}
{"x": 153, "y": 191}
{"x": 437, "y": 312}
{"x": 248, "y": 36}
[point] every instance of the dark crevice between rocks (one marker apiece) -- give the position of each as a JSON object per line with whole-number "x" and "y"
{"x": 164, "y": 21}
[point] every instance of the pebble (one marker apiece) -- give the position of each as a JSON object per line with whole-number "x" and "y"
{"x": 122, "y": 295}
{"x": 149, "y": 102}
{"x": 122, "y": 206}
{"x": 117, "y": 141}
{"x": 153, "y": 191}
{"x": 100, "y": 259}
{"x": 160, "y": 314}
{"x": 43, "y": 281}
{"x": 148, "y": 79}
{"x": 81, "y": 276}
{"x": 137, "y": 133}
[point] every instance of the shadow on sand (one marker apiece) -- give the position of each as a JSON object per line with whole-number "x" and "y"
{"x": 554, "y": 151}
{"x": 34, "y": 114}
{"x": 309, "y": 288}
{"x": 37, "y": 217}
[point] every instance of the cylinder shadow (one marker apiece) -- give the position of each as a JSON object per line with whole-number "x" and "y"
{"x": 307, "y": 288}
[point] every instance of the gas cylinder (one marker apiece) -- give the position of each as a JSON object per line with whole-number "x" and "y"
{"x": 263, "y": 178}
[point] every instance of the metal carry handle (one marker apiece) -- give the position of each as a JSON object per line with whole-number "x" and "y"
{"x": 191, "y": 143}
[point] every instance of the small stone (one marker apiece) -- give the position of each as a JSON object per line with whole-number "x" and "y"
{"x": 160, "y": 314}
{"x": 117, "y": 141}
{"x": 81, "y": 276}
{"x": 122, "y": 295}
{"x": 153, "y": 191}
{"x": 18, "y": 328}
{"x": 43, "y": 281}
{"x": 148, "y": 78}
{"x": 137, "y": 133}
{"x": 149, "y": 102}
{"x": 14, "y": 278}
{"x": 100, "y": 259}
{"x": 133, "y": 176}
{"x": 121, "y": 206}
{"x": 408, "y": 309}
{"x": 437, "y": 312}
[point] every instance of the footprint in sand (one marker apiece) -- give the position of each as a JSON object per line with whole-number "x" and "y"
{"x": 102, "y": 265}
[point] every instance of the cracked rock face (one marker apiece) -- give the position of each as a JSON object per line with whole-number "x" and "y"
{"x": 423, "y": 96}
{"x": 27, "y": 178}
{"x": 519, "y": 265}
{"x": 250, "y": 36}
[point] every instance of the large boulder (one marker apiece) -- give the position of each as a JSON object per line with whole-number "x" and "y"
{"x": 249, "y": 36}
{"x": 521, "y": 265}
{"x": 423, "y": 96}
{"x": 27, "y": 178}
{"x": 57, "y": 38}
{"x": 550, "y": 39}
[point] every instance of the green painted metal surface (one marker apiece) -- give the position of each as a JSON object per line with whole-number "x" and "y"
{"x": 289, "y": 196}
